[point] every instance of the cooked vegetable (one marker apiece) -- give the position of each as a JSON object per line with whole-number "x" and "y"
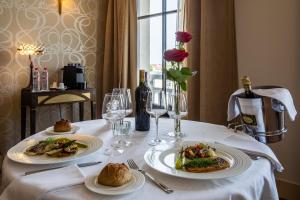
{"x": 201, "y": 162}
{"x": 199, "y": 158}
{"x": 52, "y": 147}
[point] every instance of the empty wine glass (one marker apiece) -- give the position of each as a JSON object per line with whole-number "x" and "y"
{"x": 177, "y": 109}
{"x": 156, "y": 106}
{"x": 113, "y": 110}
{"x": 123, "y": 126}
{"x": 127, "y": 99}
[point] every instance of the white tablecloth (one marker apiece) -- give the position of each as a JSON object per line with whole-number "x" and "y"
{"x": 257, "y": 182}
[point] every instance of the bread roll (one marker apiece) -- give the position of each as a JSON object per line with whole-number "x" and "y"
{"x": 62, "y": 126}
{"x": 114, "y": 174}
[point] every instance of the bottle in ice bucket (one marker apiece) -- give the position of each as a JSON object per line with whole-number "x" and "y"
{"x": 247, "y": 86}
{"x": 251, "y": 107}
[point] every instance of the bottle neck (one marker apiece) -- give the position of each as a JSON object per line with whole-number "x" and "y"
{"x": 247, "y": 88}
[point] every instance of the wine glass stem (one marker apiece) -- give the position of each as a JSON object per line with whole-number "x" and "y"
{"x": 113, "y": 126}
{"x": 156, "y": 122}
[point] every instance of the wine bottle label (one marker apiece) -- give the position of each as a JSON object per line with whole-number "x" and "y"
{"x": 249, "y": 119}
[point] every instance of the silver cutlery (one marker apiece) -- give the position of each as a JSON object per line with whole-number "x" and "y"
{"x": 162, "y": 186}
{"x": 52, "y": 168}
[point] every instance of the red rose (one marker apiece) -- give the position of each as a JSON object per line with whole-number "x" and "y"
{"x": 183, "y": 36}
{"x": 175, "y": 55}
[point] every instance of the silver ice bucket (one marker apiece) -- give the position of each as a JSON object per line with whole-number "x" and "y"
{"x": 271, "y": 120}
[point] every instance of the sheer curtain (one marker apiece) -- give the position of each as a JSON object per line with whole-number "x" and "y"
{"x": 213, "y": 54}
{"x": 117, "y": 47}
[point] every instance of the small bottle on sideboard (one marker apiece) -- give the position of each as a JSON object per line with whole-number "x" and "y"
{"x": 142, "y": 118}
{"x": 35, "y": 80}
{"x": 44, "y": 80}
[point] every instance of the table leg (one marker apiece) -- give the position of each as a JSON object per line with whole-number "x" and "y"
{"x": 23, "y": 122}
{"x": 32, "y": 120}
{"x": 92, "y": 110}
{"x": 81, "y": 111}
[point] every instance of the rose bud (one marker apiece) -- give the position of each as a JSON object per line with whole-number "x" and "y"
{"x": 183, "y": 36}
{"x": 175, "y": 55}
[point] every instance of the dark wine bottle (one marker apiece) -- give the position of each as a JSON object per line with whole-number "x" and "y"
{"x": 142, "y": 118}
{"x": 248, "y": 94}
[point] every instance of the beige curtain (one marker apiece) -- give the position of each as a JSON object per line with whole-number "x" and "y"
{"x": 117, "y": 47}
{"x": 213, "y": 54}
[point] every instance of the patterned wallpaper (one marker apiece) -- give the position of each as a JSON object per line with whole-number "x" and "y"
{"x": 70, "y": 37}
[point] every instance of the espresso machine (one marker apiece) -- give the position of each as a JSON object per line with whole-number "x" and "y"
{"x": 74, "y": 76}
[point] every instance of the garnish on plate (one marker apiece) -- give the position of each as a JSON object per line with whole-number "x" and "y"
{"x": 59, "y": 147}
{"x": 199, "y": 158}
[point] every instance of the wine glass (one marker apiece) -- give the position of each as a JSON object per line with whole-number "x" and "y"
{"x": 177, "y": 109}
{"x": 127, "y": 99}
{"x": 113, "y": 110}
{"x": 156, "y": 106}
{"x": 124, "y": 126}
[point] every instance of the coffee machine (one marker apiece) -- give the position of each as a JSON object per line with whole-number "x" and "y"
{"x": 74, "y": 76}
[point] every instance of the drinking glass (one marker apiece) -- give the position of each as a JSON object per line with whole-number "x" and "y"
{"x": 127, "y": 99}
{"x": 156, "y": 106}
{"x": 123, "y": 125}
{"x": 177, "y": 109}
{"x": 113, "y": 110}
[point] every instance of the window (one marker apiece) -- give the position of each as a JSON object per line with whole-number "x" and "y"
{"x": 157, "y": 24}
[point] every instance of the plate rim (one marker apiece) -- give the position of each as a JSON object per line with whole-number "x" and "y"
{"x": 40, "y": 137}
{"x": 134, "y": 172}
{"x": 248, "y": 161}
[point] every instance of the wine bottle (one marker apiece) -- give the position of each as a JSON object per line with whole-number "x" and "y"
{"x": 248, "y": 89}
{"x": 251, "y": 106}
{"x": 142, "y": 118}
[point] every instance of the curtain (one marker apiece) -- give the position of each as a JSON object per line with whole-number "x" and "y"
{"x": 213, "y": 54}
{"x": 117, "y": 47}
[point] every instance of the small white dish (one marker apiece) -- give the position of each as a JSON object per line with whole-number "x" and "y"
{"x": 135, "y": 184}
{"x": 51, "y": 131}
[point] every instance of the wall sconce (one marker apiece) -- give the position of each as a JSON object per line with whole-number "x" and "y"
{"x": 30, "y": 50}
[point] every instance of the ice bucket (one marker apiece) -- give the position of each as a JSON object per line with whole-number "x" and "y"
{"x": 270, "y": 121}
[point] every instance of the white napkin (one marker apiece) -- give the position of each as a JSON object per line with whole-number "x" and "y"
{"x": 249, "y": 144}
{"x": 35, "y": 186}
{"x": 281, "y": 94}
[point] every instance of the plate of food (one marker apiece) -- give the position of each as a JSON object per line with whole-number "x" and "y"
{"x": 62, "y": 127}
{"x": 198, "y": 160}
{"x": 115, "y": 179}
{"x": 55, "y": 149}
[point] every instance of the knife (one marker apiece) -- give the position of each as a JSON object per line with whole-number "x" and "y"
{"x": 79, "y": 165}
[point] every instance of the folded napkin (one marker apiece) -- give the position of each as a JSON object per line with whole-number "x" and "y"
{"x": 35, "y": 186}
{"x": 281, "y": 94}
{"x": 250, "y": 145}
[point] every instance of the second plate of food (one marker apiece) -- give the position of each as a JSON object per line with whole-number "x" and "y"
{"x": 51, "y": 131}
{"x": 198, "y": 160}
{"x": 54, "y": 149}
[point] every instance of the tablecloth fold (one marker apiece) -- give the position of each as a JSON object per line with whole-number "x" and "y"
{"x": 35, "y": 186}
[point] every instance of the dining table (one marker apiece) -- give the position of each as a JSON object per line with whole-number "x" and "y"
{"x": 257, "y": 182}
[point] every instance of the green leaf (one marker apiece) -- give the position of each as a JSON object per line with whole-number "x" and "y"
{"x": 183, "y": 86}
{"x": 186, "y": 71}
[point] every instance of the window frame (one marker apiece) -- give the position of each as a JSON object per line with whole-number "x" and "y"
{"x": 164, "y": 15}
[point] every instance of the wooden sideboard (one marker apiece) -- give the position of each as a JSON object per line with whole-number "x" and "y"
{"x": 53, "y": 97}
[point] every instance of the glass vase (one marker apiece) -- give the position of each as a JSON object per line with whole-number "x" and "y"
{"x": 177, "y": 118}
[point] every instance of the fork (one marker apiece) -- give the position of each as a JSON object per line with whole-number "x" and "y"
{"x": 162, "y": 186}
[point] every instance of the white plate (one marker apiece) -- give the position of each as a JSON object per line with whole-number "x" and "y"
{"x": 16, "y": 153}
{"x": 74, "y": 128}
{"x": 162, "y": 159}
{"x": 135, "y": 184}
